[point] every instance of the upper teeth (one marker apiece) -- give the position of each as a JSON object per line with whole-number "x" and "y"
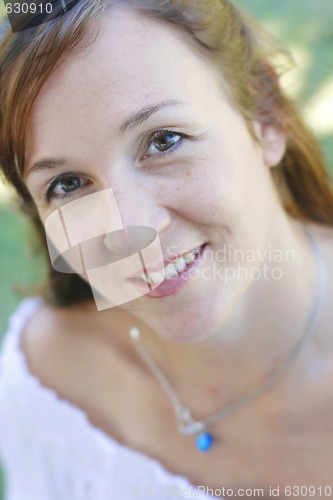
{"x": 172, "y": 270}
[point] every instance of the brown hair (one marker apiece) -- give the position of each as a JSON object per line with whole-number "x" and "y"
{"x": 242, "y": 53}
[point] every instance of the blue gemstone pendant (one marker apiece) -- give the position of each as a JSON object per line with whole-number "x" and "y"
{"x": 204, "y": 441}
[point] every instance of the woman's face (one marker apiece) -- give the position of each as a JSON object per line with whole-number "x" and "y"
{"x": 186, "y": 165}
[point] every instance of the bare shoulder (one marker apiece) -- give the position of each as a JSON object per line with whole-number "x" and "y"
{"x": 316, "y": 389}
{"x": 322, "y": 232}
{"x": 60, "y": 351}
{"x": 324, "y": 238}
{"x": 70, "y": 352}
{"x": 45, "y": 333}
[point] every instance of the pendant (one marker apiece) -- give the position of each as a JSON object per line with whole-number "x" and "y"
{"x": 187, "y": 425}
{"x": 204, "y": 441}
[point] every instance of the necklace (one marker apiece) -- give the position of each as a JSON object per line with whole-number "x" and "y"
{"x": 186, "y": 423}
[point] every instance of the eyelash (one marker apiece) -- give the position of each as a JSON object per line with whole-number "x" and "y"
{"x": 49, "y": 192}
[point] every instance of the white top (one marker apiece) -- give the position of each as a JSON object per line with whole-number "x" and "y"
{"x": 50, "y": 451}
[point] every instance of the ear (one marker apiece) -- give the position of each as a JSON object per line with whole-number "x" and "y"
{"x": 272, "y": 139}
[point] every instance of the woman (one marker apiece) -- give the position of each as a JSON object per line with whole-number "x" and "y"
{"x": 173, "y": 111}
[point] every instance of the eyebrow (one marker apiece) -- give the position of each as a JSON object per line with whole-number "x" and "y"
{"x": 130, "y": 123}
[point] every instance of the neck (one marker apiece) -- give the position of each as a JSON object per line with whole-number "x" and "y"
{"x": 256, "y": 338}
{"x": 259, "y": 334}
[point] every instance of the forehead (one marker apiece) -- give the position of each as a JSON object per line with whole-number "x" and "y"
{"x": 134, "y": 61}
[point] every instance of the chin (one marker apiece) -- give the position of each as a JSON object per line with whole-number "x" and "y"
{"x": 191, "y": 328}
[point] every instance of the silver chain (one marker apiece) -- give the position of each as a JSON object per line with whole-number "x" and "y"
{"x": 186, "y": 423}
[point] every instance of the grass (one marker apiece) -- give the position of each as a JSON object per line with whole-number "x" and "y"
{"x": 305, "y": 27}
{"x": 19, "y": 268}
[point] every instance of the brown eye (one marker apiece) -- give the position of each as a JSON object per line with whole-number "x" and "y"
{"x": 162, "y": 142}
{"x": 70, "y": 184}
{"x": 165, "y": 141}
{"x": 64, "y": 186}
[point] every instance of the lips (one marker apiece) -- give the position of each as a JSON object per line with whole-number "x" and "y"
{"x": 150, "y": 269}
{"x": 173, "y": 285}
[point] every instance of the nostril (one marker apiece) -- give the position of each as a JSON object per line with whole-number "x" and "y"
{"x": 130, "y": 240}
{"x": 118, "y": 244}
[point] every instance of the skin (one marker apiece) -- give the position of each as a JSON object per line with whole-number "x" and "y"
{"x": 215, "y": 340}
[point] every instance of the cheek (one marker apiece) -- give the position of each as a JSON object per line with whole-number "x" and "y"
{"x": 211, "y": 190}
{"x": 227, "y": 190}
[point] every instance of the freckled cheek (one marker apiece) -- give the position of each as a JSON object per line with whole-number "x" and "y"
{"x": 204, "y": 192}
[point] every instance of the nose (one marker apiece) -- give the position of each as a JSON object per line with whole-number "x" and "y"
{"x": 141, "y": 205}
{"x": 143, "y": 216}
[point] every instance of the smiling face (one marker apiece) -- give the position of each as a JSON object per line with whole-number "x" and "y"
{"x": 139, "y": 111}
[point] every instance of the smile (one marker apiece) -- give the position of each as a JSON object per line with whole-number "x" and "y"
{"x": 172, "y": 270}
{"x": 176, "y": 275}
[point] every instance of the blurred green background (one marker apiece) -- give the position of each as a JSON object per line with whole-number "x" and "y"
{"x": 306, "y": 28}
